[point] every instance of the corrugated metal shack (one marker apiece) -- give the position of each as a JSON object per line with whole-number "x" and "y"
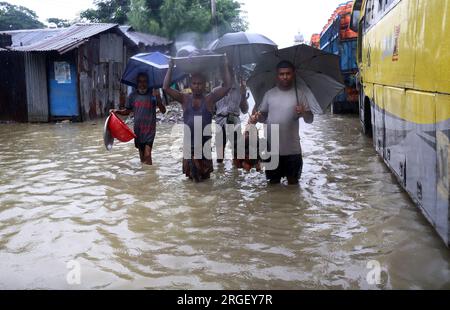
{"x": 146, "y": 43}
{"x": 71, "y": 73}
{"x": 29, "y": 36}
{"x": 13, "y": 101}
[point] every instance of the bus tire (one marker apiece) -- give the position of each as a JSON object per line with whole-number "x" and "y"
{"x": 365, "y": 114}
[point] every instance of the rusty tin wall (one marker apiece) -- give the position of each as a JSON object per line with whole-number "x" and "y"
{"x": 13, "y": 93}
{"x": 36, "y": 80}
{"x": 100, "y": 67}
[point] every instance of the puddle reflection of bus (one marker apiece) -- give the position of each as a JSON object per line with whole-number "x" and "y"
{"x": 404, "y": 61}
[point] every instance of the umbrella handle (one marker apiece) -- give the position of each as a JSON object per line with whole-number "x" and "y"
{"x": 296, "y": 93}
{"x": 295, "y": 75}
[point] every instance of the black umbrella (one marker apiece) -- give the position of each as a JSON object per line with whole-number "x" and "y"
{"x": 243, "y": 48}
{"x": 318, "y": 75}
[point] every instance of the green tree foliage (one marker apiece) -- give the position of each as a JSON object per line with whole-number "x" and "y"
{"x": 169, "y": 17}
{"x": 181, "y": 16}
{"x": 230, "y": 17}
{"x": 60, "y": 23}
{"x": 14, "y": 17}
{"x": 108, "y": 11}
{"x": 144, "y": 17}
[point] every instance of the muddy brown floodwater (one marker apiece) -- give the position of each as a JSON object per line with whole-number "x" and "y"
{"x": 64, "y": 198}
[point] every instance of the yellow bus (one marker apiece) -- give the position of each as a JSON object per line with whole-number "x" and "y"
{"x": 404, "y": 62}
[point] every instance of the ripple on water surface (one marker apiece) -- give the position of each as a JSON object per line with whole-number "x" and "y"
{"x": 63, "y": 197}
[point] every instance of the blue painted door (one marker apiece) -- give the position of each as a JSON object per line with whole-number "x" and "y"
{"x": 63, "y": 86}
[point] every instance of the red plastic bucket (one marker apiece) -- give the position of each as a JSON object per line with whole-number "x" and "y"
{"x": 119, "y": 130}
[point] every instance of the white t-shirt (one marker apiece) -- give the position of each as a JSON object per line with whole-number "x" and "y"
{"x": 280, "y": 106}
{"x": 230, "y": 104}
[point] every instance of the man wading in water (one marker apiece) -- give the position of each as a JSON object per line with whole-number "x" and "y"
{"x": 143, "y": 104}
{"x": 228, "y": 111}
{"x": 280, "y": 106}
{"x": 197, "y": 107}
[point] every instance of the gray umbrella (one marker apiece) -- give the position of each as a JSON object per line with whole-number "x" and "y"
{"x": 199, "y": 61}
{"x": 243, "y": 48}
{"x": 318, "y": 75}
{"x": 199, "y": 64}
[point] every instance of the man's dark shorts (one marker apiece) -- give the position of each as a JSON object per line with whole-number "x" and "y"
{"x": 141, "y": 146}
{"x": 290, "y": 166}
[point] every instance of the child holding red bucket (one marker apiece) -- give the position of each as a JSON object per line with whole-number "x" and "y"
{"x": 143, "y": 104}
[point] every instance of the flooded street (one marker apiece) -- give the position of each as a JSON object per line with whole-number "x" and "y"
{"x": 63, "y": 197}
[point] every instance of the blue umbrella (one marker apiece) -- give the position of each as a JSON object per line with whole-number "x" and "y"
{"x": 155, "y": 65}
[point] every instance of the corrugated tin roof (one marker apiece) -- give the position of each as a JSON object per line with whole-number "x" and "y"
{"x": 68, "y": 38}
{"x": 126, "y": 28}
{"x": 30, "y": 36}
{"x": 140, "y": 38}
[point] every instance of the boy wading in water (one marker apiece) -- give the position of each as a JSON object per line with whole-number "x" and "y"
{"x": 143, "y": 104}
{"x": 197, "y": 107}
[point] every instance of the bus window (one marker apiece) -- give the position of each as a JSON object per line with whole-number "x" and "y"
{"x": 380, "y": 5}
{"x": 387, "y": 3}
{"x": 369, "y": 16}
{"x": 359, "y": 49}
{"x": 356, "y": 16}
{"x": 374, "y": 10}
{"x": 377, "y": 10}
{"x": 355, "y": 21}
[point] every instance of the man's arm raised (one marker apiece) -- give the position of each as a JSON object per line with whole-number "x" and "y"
{"x": 159, "y": 103}
{"x": 166, "y": 87}
{"x": 220, "y": 92}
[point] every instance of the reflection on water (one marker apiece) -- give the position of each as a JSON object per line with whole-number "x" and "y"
{"x": 63, "y": 197}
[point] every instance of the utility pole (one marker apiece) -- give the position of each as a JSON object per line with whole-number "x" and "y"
{"x": 214, "y": 18}
{"x": 213, "y": 8}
